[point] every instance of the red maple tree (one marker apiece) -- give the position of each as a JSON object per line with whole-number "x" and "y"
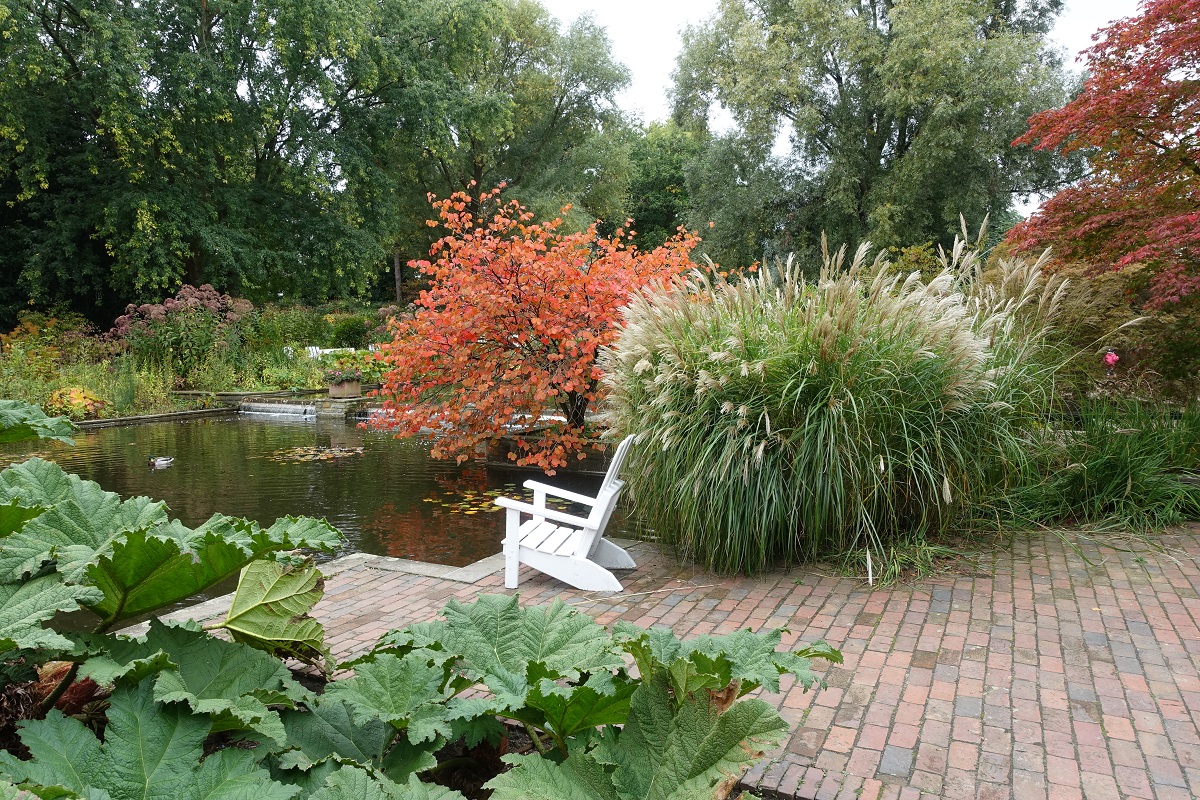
{"x": 505, "y": 338}
{"x": 1138, "y": 120}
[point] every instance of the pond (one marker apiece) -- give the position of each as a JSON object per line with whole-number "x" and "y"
{"x": 386, "y": 495}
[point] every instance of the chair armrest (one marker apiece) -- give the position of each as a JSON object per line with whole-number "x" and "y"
{"x": 548, "y": 513}
{"x": 563, "y": 493}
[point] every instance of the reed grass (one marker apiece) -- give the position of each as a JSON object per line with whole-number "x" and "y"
{"x": 783, "y": 419}
{"x": 1122, "y": 462}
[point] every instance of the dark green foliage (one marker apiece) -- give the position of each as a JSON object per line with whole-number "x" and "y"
{"x": 20, "y": 421}
{"x": 1120, "y": 461}
{"x": 658, "y": 193}
{"x": 248, "y": 145}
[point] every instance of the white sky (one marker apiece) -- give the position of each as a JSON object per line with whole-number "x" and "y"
{"x": 645, "y": 37}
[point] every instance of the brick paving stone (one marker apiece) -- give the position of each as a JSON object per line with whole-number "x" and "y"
{"x": 1055, "y": 669}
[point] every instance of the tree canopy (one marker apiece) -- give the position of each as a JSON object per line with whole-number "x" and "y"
{"x": 900, "y": 114}
{"x": 1138, "y": 121}
{"x": 282, "y": 147}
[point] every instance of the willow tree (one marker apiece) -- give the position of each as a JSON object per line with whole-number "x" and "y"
{"x": 899, "y": 114}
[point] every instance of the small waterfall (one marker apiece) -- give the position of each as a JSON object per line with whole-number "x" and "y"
{"x": 301, "y": 410}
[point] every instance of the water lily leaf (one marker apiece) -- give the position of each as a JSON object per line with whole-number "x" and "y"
{"x": 24, "y": 606}
{"x": 150, "y": 752}
{"x": 270, "y": 611}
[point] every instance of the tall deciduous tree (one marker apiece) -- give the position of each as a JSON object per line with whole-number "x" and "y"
{"x": 1138, "y": 121}
{"x": 143, "y": 144}
{"x": 510, "y": 327}
{"x": 900, "y": 113}
{"x": 534, "y": 109}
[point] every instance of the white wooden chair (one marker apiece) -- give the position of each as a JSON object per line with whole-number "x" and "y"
{"x": 570, "y": 548}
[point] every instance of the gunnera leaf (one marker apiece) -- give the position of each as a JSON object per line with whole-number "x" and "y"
{"x": 20, "y": 421}
{"x": 665, "y": 753}
{"x": 24, "y": 606}
{"x": 329, "y": 729}
{"x": 150, "y": 751}
{"x": 496, "y": 636}
{"x": 713, "y": 662}
{"x": 352, "y": 782}
{"x": 534, "y": 777}
{"x": 130, "y": 549}
{"x": 231, "y": 682}
{"x": 407, "y": 692}
{"x": 270, "y": 611}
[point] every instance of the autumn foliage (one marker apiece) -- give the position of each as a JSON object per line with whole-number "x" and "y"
{"x": 1138, "y": 119}
{"x": 509, "y": 329}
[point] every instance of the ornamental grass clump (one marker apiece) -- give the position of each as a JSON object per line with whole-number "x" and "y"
{"x": 783, "y": 419}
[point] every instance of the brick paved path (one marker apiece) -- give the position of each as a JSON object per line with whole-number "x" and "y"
{"x": 1055, "y": 670}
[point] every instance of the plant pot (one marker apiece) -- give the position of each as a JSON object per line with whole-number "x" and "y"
{"x": 344, "y": 391}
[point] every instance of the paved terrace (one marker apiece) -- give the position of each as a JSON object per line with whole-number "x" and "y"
{"x": 1059, "y": 669}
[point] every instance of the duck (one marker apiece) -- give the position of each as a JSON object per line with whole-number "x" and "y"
{"x": 157, "y": 462}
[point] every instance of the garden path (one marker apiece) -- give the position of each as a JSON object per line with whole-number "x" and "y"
{"x": 1058, "y": 668}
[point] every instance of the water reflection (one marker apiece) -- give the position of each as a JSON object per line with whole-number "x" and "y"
{"x": 390, "y": 499}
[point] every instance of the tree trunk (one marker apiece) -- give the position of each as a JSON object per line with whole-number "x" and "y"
{"x": 398, "y": 270}
{"x": 574, "y": 408}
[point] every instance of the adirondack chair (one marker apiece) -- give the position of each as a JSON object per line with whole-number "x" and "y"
{"x": 570, "y": 548}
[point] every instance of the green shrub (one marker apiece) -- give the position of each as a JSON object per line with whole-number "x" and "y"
{"x": 782, "y": 419}
{"x": 1125, "y": 461}
{"x": 274, "y": 328}
{"x": 184, "y": 332}
{"x": 351, "y": 331}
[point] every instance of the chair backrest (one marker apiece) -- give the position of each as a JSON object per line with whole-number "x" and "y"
{"x": 606, "y": 502}
{"x": 614, "y": 467}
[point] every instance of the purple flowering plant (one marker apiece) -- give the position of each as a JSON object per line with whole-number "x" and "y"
{"x": 339, "y": 375}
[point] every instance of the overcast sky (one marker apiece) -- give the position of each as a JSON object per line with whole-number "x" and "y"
{"x": 645, "y": 37}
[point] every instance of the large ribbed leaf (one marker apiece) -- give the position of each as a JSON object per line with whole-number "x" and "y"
{"x": 24, "y": 606}
{"x": 232, "y": 683}
{"x": 407, "y": 692}
{"x": 496, "y": 635}
{"x": 20, "y": 421}
{"x": 579, "y": 777}
{"x": 130, "y": 549}
{"x": 150, "y": 752}
{"x": 37, "y": 483}
{"x": 330, "y": 731}
{"x": 270, "y": 611}
{"x": 711, "y": 663}
{"x": 664, "y": 752}
{"x": 359, "y": 784}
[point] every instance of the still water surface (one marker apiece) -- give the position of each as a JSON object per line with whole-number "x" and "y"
{"x": 386, "y": 495}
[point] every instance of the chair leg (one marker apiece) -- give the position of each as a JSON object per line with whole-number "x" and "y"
{"x": 609, "y": 555}
{"x": 512, "y": 563}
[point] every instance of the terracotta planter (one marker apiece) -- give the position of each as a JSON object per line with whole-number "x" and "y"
{"x": 344, "y": 391}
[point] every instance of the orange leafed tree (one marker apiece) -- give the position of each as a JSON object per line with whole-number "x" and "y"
{"x": 509, "y": 329}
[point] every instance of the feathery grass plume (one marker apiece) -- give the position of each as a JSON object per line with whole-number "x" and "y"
{"x": 782, "y": 419}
